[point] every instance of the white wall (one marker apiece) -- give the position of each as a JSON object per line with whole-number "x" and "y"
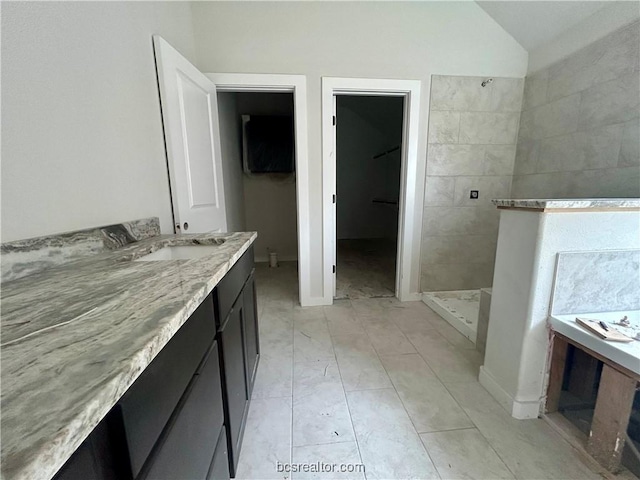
{"x": 231, "y": 146}
{"x": 81, "y": 126}
{"x": 270, "y": 199}
{"x": 603, "y": 22}
{"x": 516, "y": 355}
{"x": 411, "y": 40}
{"x": 367, "y": 126}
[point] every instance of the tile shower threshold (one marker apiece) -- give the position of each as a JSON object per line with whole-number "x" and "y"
{"x": 458, "y": 307}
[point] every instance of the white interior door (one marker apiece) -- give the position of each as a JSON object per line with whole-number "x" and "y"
{"x": 190, "y": 115}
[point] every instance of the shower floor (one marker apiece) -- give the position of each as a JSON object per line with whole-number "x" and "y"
{"x": 458, "y": 307}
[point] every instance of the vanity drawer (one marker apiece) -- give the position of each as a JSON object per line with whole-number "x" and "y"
{"x": 148, "y": 404}
{"x": 230, "y": 286}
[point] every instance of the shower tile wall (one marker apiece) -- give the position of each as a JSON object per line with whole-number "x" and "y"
{"x": 472, "y": 146}
{"x": 579, "y": 131}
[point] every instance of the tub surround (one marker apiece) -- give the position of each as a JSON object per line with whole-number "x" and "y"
{"x": 531, "y": 234}
{"x": 596, "y": 282}
{"x": 32, "y": 255}
{"x": 568, "y": 203}
{"x": 76, "y": 336}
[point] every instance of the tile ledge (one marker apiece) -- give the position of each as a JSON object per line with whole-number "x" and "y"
{"x": 572, "y": 204}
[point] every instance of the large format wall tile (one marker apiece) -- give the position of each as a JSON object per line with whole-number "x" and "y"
{"x": 588, "y": 282}
{"x": 581, "y": 150}
{"x": 555, "y": 118}
{"x": 444, "y": 127}
{"x": 535, "y": 90}
{"x": 614, "y": 182}
{"x": 488, "y": 127}
{"x": 527, "y": 153}
{"x": 630, "y": 148}
{"x": 579, "y": 133}
{"x": 606, "y": 59}
{"x": 478, "y": 152}
{"x": 467, "y": 249}
{"x": 460, "y": 221}
{"x": 506, "y": 94}
{"x": 439, "y": 191}
{"x": 457, "y": 276}
{"x": 451, "y": 160}
{"x": 487, "y": 187}
{"x": 612, "y": 102}
{"x": 499, "y": 159}
{"x": 459, "y": 94}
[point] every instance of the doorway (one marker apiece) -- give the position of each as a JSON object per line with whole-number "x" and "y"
{"x": 368, "y": 160}
{"x": 296, "y": 86}
{"x": 409, "y": 211}
{"x": 258, "y": 151}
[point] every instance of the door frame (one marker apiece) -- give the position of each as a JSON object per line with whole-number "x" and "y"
{"x": 407, "y": 250}
{"x": 296, "y": 84}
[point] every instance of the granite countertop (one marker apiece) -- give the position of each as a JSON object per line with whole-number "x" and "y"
{"x": 568, "y": 203}
{"x": 624, "y": 354}
{"x": 75, "y": 337}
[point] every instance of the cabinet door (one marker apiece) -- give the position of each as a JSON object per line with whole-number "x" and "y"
{"x": 234, "y": 367}
{"x": 152, "y": 399}
{"x": 220, "y": 466}
{"x": 187, "y": 446}
{"x": 251, "y": 337}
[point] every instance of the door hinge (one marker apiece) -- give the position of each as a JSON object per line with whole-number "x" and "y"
{"x": 334, "y": 269}
{"x": 334, "y": 198}
{"x": 334, "y": 120}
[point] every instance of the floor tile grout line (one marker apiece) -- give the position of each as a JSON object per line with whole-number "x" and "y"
{"x": 424, "y": 448}
{"x": 404, "y": 407}
{"x": 346, "y": 400}
{"x": 447, "y": 385}
{"x": 477, "y": 427}
{"x": 465, "y": 410}
{"x": 445, "y": 430}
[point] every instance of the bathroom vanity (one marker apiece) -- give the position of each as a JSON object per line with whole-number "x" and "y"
{"x": 121, "y": 366}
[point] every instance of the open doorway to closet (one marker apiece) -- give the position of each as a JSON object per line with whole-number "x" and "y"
{"x": 257, "y": 136}
{"x": 369, "y": 135}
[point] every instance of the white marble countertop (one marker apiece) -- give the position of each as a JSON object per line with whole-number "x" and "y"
{"x": 624, "y": 354}
{"x": 74, "y": 338}
{"x": 568, "y": 203}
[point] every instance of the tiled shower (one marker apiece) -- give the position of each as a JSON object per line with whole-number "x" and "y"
{"x": 568, "y": 130}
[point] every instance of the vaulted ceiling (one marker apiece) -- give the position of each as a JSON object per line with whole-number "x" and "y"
{"x": 534, "y": 23}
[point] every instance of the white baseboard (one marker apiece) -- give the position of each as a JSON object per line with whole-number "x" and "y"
{"x": 522, "y": 410}
{"x": 315, "y": 302}
{"x": 413, "y": 297}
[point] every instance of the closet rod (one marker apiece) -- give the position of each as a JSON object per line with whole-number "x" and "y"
{"x": 387, "y": 152}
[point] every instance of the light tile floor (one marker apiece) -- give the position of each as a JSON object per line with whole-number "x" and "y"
{"x": 385, "y": 384}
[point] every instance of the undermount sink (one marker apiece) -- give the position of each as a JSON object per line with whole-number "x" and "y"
{"x": 179, "y": 252}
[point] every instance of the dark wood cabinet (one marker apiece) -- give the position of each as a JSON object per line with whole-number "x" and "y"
{"x": 251, "y": 337}
{"x": 219, "y": 469}
{"x": 146, "y": 407}
{"x": 239, "y": 342}
{"x": 184, "y": 416}
{"x": 187, "y": 446}
{"x": 235, "y": 379}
